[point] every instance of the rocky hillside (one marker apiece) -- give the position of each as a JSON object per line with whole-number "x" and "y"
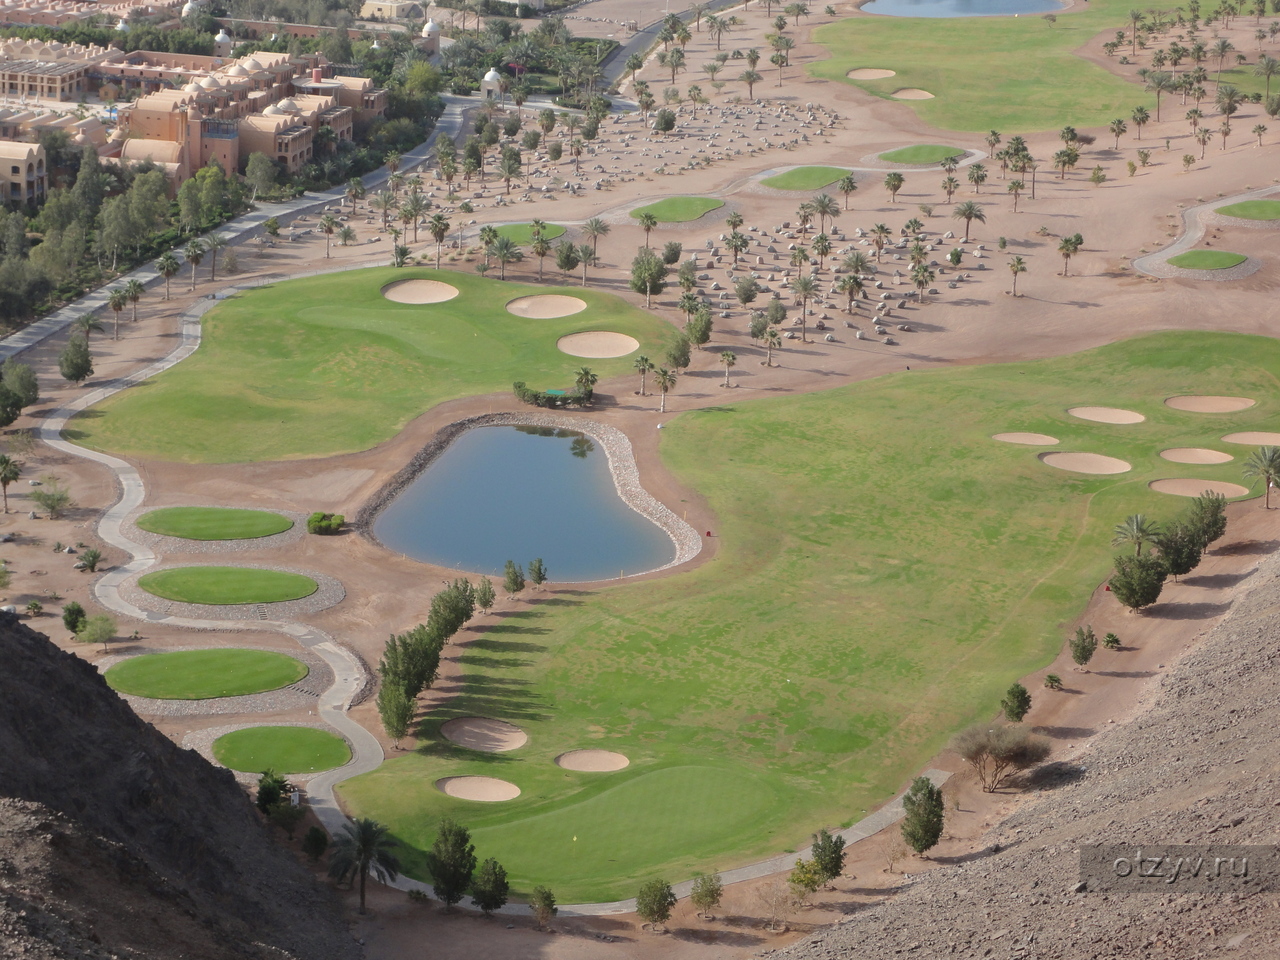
{"x": 1200, "y": 766}
{"x": 116, "y": 843}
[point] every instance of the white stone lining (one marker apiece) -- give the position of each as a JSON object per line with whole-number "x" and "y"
{"x": 201, "y": 741}
{"x": 329, "y": 592}
{"x": 165, "y": 544}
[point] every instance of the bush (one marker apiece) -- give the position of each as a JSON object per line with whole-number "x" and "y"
{"x": 805, "y": 879}
{"x": 1111, "y": 641}
{"x": 1053, "y": 681}
{"x": 1137, "y": 581}
{"x": 543, "y": 905}
{"x": 314, "y": 843}
{"x": 925, "y": 811}
{"x": 53, "y": 499}
{"x": 325, "y": 524}
{"x": 74, "y": 617}
{"x": 1083, "y": 644}
{"x": 997, "y": 753}
{"x": 1016, "y": 703}
{"x": 542, "y": 398}
{"x": 654, "y": 902}
{"x": 672, "y": 251}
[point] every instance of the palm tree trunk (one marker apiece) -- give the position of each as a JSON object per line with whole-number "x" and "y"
{"x": 115, "y": 333}
{"x": 363, "y": 875}
{"x": 662, "y": 407}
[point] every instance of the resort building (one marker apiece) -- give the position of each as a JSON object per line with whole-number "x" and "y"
{"x": 22, "y": 172}
{"x": 391, "y": 10}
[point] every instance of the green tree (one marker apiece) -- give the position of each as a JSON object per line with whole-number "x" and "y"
{"x": 193, "y": 253}
{"x": 893, "y": 183}
{"x": 396, "y": 710}
{"x": 1180, "y": 548}
{"x": 10, "y": 471}
{"x": 567, "y": 256}
{"x": 451, "y": 861}
{"x": 1016, "y": 703}
{"x": 1263, "y": 464}
{"x": 706, "y": 893}
{"x": 803, "y": 289}
{"x": 543, "y": 904}
{"x": 1137, "y": 581}
{"x": 53, "y": 499}
{"x": 314, "y": 843}
{"x": 805, "y": 878}
{"x": 848, "y": 184}
{"x": 20, "y": 380}
{"x": 485, "y": 595}
{"x": 968, "y": 211}
{"x": 513, "y": 577}
{"x": 1016, "y": 266}
{"x": 728, "y": 358}
{"x": 537, "y": 572}
{"x": 364, "y": 846}
{"x": 74, "y": 362}
{"x": 925, "y": 810}
{"x": 665, "y": 381}
{"x": 654, "y": 902}
{"x": 260, "y": 173}
{"x": 272, "y": 788}
{"x": 1136, "y": 529}
{"x": 648, "y": 273}
{"x": 1068, "y": 248}
{"x": 997, "y": 753}
{"x": 828, "y": 854}
{"x": 117, "y": 300}
{"x": 1207, "y": 517}
{"x": 1083, "y": 644}
{"x": 490, "y": 888}
{"x": 73, "y": 616}
{"x": 593, "y": 230}
{"x": 698, "y": 329}
{"x": 642, "y": 366}
{"x": 97, "y": 629}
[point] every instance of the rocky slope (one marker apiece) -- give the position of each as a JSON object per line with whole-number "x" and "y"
{"x": 1200, "y": 765}
{"x": 116, "y": 843}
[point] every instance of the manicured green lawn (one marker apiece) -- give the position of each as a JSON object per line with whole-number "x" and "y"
{"x": 805, "y": 178}
{"x": 1207, "y": 259}
{"x": 1253, "y": 210}
{"x": 213, "y": 523}
{"x": 884, "y": 570}
{"x": 327, "y": 365}
{"x": 282, "y": 749}
{"x": 221, "y": 585}
{"x": 202, "y": 674}
{"x": 522, "y": 233}
{"x": 680, "y": 209}
{"x": 924, "y": 153}
{"x": 1014, "y": 75}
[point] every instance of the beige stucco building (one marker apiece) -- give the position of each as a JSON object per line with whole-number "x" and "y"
{"x": 22, "y": 172}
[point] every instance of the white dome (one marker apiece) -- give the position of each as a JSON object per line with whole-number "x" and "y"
{"x": 210, "y": 83}
{"x": 122, "y": 27}
{"x": 273, "y": 111}
{"x": 190, "y": 7}
{"x": 492, "y": 75}
{"x": 252, "y": 64}
{"x": 376, "y": 45}
{"x": 288, "y": 106}
{"x": 431, "y": 29}
{"x": 222, "y": 37}
{"x": 237, "y": 71}
{"x": 192, "y": 88}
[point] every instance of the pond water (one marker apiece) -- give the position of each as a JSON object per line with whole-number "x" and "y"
{"x": 515, "y": 493}
{"x": 959, "y": 8}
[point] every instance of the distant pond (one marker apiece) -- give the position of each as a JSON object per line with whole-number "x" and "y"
{"x": 518, "y": 492}
{"x": 959, "y": 8}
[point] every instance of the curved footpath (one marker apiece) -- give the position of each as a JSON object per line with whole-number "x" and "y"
{"x": 1193, "y": 228}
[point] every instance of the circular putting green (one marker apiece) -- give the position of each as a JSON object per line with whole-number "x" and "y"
{"x": 223, "y": 585}
{"x": 1252, "y": 210}
{"x": 213, "y": 523}
{"x": 924, "y": 153}
{"x": 203, "y": 674}
{"x": 679, "y": 209}
{"x": 282, "y": 749}
{"x": 805, "y": 178}
{"x": 522, "y": 233}
{"x": 1207, "y": 259}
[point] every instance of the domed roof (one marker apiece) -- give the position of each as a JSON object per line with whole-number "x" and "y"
{"x": 190, "y": 7}
{"x": 492, "y": 75}
{"x": 118, "y": 134}
{"x": 222, "y": 37}
{"x": 273, "y": 111}
{"x": 288, "y": 106}
{"x": 237, "y": 71}
{"x": 80, "y": 138}
{"x": 122, "y": 27}
{"x": 376, "y": 44}
{"x": 252, "y": 64}
{"x": 210, "y": 83}
{"x": 431, "y": 29}
{"x": 192, "y": 88}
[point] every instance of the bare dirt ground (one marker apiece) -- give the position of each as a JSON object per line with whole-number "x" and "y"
{"x": 1102, "y": 300}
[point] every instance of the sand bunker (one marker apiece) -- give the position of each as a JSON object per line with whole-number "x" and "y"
{"x": 1085, "y": 462}
{"x": 911, "y": 93}
{"x": 1193, "y": 488}
{"x": 598, "y": 344}
{"x": 1259, "y": 438}
{"x": 1106, "y": 414}
{"x": 870, "y": 73}
{"x": 546, "y": 307}
{"x": 1031, "y": 439}
{"x": 484, "y": 734}
{"x": 1195, "y": 455}
{"x": 1194, "y": 404}
{"x": 419, "y": 291}
{"x": 484, "y": 789}
{"x": 592, "y": 761}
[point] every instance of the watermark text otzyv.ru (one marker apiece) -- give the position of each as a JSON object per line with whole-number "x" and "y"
{"x": 1164, "y": 868}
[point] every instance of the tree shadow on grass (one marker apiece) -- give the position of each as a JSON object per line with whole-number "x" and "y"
{"x": 504, "y": 628}
{"x": 506, "y": 646}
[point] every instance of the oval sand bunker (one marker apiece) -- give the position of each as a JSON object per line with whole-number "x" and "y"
{"x": 1193, "y": 488}
{"x": 483, "y": 789}
{"x": 546, "y": 307}
{"x": 592, "y": 761}
{"x": 870, "y": 73}
{"x": 484, "y": 734}
{"x": 1258, "y": 437}
{"x": 1195, "y": 455}
{"x": 419, "y": 291}
{"x": 598, "y": 344}
{"x": 911, "y": 93}
{"x": 1085, "y": 462}
{"x": 1106, "y": 414}
{"x": 1197, "y": 404}
{"x": 1031, "y": 439}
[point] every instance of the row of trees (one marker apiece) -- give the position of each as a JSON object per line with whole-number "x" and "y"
{"x": 1178, "y": 544}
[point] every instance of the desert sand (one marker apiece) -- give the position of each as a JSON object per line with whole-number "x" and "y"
{"x": 597, "y": 344}
{"x": 1106, "y": 414}
{"x": 1191, "y": 487}
{"x": 1031, "y": 439}
{"x": 592, "y": 761}
{"x": 1253, "y": 438}
{"x": 483, "y": 789}
{"x": 484, "y": 734}
{"x": 1085, "y": 462}
{"x": 1195, "y": 455}
{"x": 419, "y": 291}
{"x": 870, "y": 73}
{"x": 546, "y": 307}
{"x": 1199, "y": 404}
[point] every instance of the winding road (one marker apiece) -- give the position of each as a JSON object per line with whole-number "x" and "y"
{"x": 1193, "y": 228}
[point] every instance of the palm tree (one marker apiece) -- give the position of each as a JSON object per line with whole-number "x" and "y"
{"x": 1222, "y": 49}
{"x": 346, "y": 236}
{"x": 328, "y": 226}
{"x": 87, "y": 324}
{"x": 383, "y": 202}
{"x": 134, "y": 290}
{"x": 824, "y": 205}
{"x": 10, "y": 470}
{"x": 851, "y": 286}
{"x": 505, "y": 250}
{"x": 921, "y": 276}
{"x": 438, "y": 226}
{"x": 1016, "y": 266}
{"x": 734, "y": 220}
{"x": 772, "y": 342}
{"x": 540, "y": 247}
{"x": 1159, "y": 82}
{"x": 1118, "y": 127}
{"x": 857, "y": 264}
{"x": 586, "y": 257}
{"x": 1141, "y": 117}
{"x": 364, "y": 846}
{"x": 728, "y": 358}
{"x": 585, "y": 380}
{"x": 168, "y": 267}
{"x": 750, "y": 78}
{"x": 355, "y": 191}
{"x": 593, "y": 230}
{"x": 977, "y": 176}
{"x": 213, "y": 243}
{"x": 950, "y": 185}
{"x": 647, "y": 222}
{"x": 1258, "y": 131}
{"x": 1069, "y": 247}
{"x": 1228, "y": 99}
{"x": 968, "y": 211}
{"x": 642, "y": 366}
{"x": 847, "y": 185}
{"x": 821, "y": 249}
{"x": 1016, "y": 187}
{"x": 1263, "y": 464}
{"x": 1136, "y": 529}
{"x": 803, "y": 288}
{"x": 799, "y": 257}
{"x": 893, "y": 183}
{"x": 737, "y": 244}
{"x": 992, "y": 141}
{"x": 117, "y": 300}
{"x": 1135, "y": 18}
{"x": 880, "y": 236}
{"x": 1267, "y": 67}
{"x": 411, "y": 211}
{"x": 664, "y": 380}
{"x": 194, "y": 253}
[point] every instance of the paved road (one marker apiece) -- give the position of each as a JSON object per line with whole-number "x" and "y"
{"x": 1193, "y": 227}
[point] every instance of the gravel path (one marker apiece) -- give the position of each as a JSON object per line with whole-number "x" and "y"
{"x": 1194, "y": 222}
{"x": 201, "y": 741}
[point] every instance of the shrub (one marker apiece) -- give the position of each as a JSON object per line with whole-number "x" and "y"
{"x": 1083, "y": 644}
{"x": 672, "y": 250}
{"x": 91, "y": 558}
{"x": 1111, "y": 641}
{"x": 53, "y": 499}
{"x": 543, "y": 905}
{"x": 925, "y": 811}
{"x": 314, "y": 843}
{"x": 325, "y": 524}
{"x": 1053, "y": 681}
{"x": 74, "y": 617}
{"x": 706, "y": 892}
{"x": 997, "y": 753}
{"x": 1016, "y": 703}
